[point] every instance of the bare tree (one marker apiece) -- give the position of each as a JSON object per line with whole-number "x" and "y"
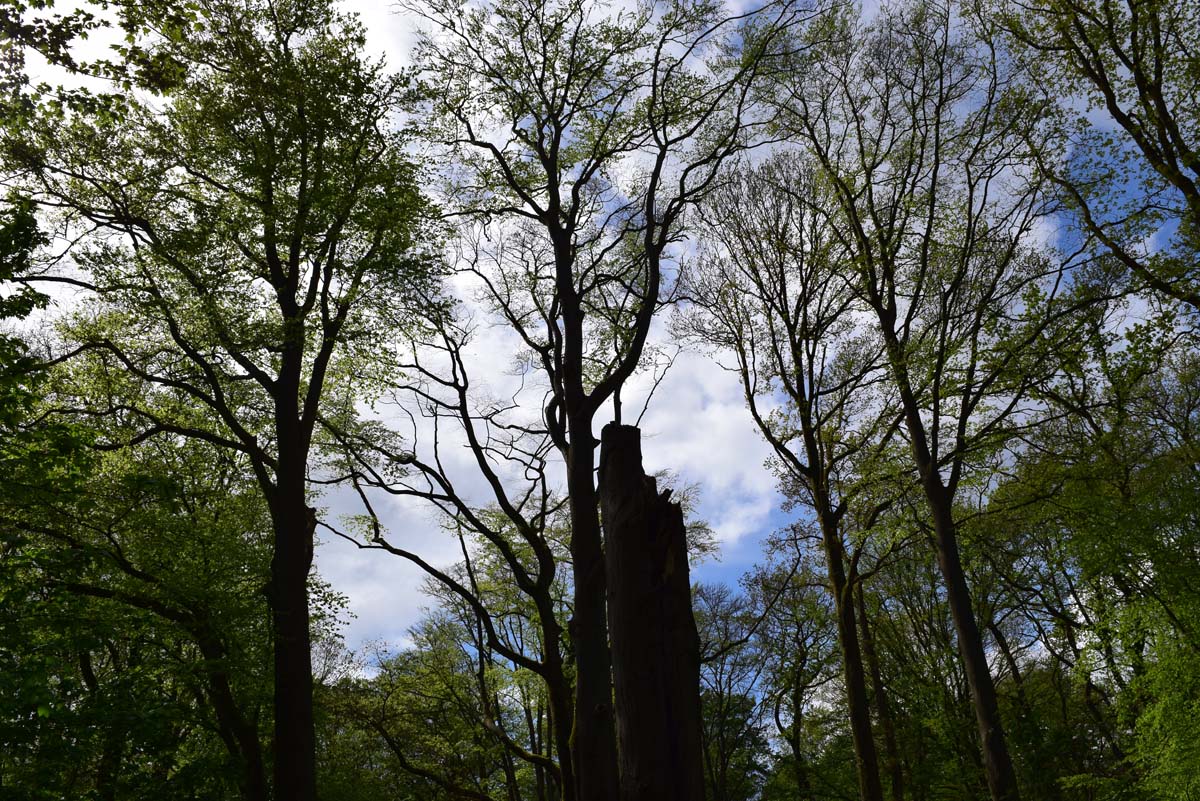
{"x": 578, "y": 137}
{"x": 517, "y": 525}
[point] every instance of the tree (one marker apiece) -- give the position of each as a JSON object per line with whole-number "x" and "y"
{"x": 731, "y": 669}
{"x": 1133, "y": 180}
{"x": 957, "y": 286}
{"x": 577, "y": 139}
{"x": 924, "y": 154}
{"x": 522, "y": 532}
{"x": 244, "y": 245}
{"x": 1117, "y": 612}
{"x": 131, "y": 623}
{"x": 134, "y": 626}
{"x": 797, "y": 644}
{"x": 453, "y": 714}
{"x": 657, "y": 701}
{"x": 772, "y": 289}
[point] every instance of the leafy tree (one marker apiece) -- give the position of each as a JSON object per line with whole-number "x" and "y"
{"x": 246, "y": 243}
{"x": 959, "y": 294}
{"x": 912, "y": 121}
{"x": 772, "y": 290}
{"x": 1132, "y": 178}
{"x": 797, "y": 644}
{"x": 450, "y": 714}
{"x": 1120, "y": 615}
{"x": 135, "y": 625}
{"x": 734, "y": 718}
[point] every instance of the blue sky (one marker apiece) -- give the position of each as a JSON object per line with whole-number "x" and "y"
{"x": 697, "y": 427}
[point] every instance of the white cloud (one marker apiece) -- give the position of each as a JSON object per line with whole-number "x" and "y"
{"x": 390, "y": 30}
{"x": 698, "y": 425}
{"x": 383, "y": 590}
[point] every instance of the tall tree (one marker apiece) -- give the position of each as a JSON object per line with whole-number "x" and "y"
{"x": 772, "y": 289}
{"x": 578, "y": 138}
{"x": 241, "y": 243}
{"x": 798, "y": 645}
{"x": 519, "y": 526}
{"x": 916, "y": 129}
{"x": 734, "y": 712}
{"x": 134, "y": 594}
{"x": 1118, "y": 612}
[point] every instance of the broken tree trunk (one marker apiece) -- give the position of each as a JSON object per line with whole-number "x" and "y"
{"x": 655, "y": 647}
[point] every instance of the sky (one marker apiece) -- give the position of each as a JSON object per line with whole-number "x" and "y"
{"x": 696, "y": 426}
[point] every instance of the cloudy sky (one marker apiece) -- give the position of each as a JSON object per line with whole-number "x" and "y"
{"x": 695, "y": 426}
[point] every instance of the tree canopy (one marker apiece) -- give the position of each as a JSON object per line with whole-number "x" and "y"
{"x": 265, "y": 292}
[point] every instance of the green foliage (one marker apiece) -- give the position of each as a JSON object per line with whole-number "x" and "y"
{"x": 427, "y": 721}
{"x": 236, "y": 198}
{"x": 123, "y": 592}
{"x": 1131, "y": 180}
{"x": 264, "y": 202}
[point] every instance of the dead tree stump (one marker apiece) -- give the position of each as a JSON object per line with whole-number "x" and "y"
{"x": 655, "y": 648}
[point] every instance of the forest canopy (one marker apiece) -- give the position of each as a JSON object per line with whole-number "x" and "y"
{"x": 267, "y": 289}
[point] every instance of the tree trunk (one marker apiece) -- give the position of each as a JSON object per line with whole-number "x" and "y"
{"x": 240, "y": 735}
{"x": 295, "y": 523}
{"x": 1001, "y": 777}
{"x": 559, "y": 697}
{"x": 800, "y": 764}
{"x": 655, "y": 647}
{"x": 886, "y": 723}
{"x": 295, "y": 738}
{"x": 866, "y": 758}
{"x": 593, "y": 738}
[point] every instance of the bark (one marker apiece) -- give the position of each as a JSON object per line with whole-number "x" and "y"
{"x": 294, "y": 528}
{"x": 510, "y": 776}
{"x": 997, "y": 764}
{"x": 559, "y": 697}
{"x": 593, "y": 736}
{"x": 240, "y": 735}
{"x": 793, "y": 737}
{"x": 866, "y": 758}
{"x": 533, "y": 724}
{"x": 655, "y": 646}
{"x": 1010, "y": 659}
{"x": 295, "y": 737}
{"x": 886, "y": 723}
